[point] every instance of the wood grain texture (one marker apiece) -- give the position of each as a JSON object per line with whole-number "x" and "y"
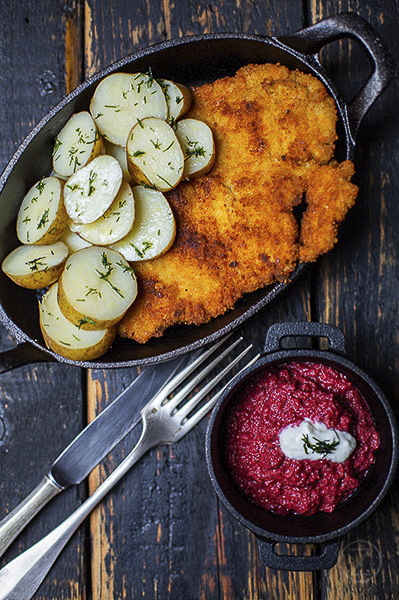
{"x": 358, "y": 288}
{"x": 40, "y": 406}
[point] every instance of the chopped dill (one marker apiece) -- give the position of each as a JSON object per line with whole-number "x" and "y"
{"x": 84, "y": 321}
{"x": 323, "y": 447}
{"x": 57, "y": 144}
{"x": 35, "y": 263}
{"x": 40, "y": 186}
{"x": 43, "y": 219}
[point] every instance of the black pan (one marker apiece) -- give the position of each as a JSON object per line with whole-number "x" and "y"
{"x": 191, "y": 60}
{"x": 325, "y": 529}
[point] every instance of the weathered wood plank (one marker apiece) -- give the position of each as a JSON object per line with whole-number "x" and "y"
{"x": 358, "y": 290}
{"x": 40, "y": 406}
{"x": 162, "y": 534}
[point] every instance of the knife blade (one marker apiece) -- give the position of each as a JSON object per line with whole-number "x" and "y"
{"x": 91, "y": 445}
{"x": 111, "y": 425}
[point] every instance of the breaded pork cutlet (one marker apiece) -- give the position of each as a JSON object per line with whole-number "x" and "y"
{"x": 274, "y": 132}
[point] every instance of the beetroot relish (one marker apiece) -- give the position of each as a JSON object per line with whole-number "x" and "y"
{"x": 281, "y": 396}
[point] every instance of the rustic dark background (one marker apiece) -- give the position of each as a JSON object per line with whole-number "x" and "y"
{"x": 162, "y": 534}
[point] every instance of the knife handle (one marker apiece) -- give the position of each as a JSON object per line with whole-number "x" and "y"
{"x": 21, "y": 577}
{"x": 12, "y": 525}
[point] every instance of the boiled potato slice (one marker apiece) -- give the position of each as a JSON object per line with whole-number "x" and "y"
{"x": 178, "y": 99}
{"x": 77, "y": 143}
{"x": 154, "y": 227}
{"x": 42, "y": 217}
{"x": 115, "y": 223}
{"x": 122, "y": 98}
{"x": 96, "y": 288}
{"x": 73, "y": 241}
{"x": 91, "y": 190}
{"x": 120, "y": 154}
{"x": 154, "y": 155}
{"x": 35, "y": 267}
{"x": 196, "y": 139}
{"x": 61, "y": 336}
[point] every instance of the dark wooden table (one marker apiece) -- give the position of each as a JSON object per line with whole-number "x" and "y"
{"x": 162, "y": 533}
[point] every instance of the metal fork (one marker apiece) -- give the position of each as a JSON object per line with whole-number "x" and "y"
{"x": 165, "y": 421}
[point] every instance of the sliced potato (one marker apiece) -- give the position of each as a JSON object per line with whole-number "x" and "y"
{"x": 154, "y": 154}
{"x": 91, "y": 190}
{"x": 77, "y": 143}
{"x": 122, "y": 98}
{"x": 35, "y": 267}
{"x": 196, "y": 139}
{"x": 96, "y": 288}
{"x": 73, "y": 241}
{"x": 115, "y": 223}
{"x": 178, "y": 98}
{"x": 154, "y": 227}
{"x": 61, "y": 336}
{"x": 42, "y": 217}
{"x": 120, "y": 154}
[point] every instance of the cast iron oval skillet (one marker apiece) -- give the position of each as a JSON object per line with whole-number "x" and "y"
{"x": 320, "y": 527}
{"x": 191, "y": 60}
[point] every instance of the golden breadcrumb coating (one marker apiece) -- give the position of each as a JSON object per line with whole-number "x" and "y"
{"x": 274, "y": 132}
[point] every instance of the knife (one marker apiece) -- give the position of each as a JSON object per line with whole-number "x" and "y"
{"x": 91, "y": 445}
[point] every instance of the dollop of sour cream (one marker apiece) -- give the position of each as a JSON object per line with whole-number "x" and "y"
{"x": 314, "y": 441}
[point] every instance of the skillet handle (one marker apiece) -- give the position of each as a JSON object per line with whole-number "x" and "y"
{"x": 312, "y": 39}
{"x": 325, "y": 560}
{"x": 21, "y": 355}
{"x": 278, "y": 331}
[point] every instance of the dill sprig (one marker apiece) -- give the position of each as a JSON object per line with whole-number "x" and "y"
{"x": 35, "y": 263}
{"x": 323, "y": 447}
{"x": 43, "y": 219}
{"x": 156, "y": 144}
{"x": 40, "y": 186}
{"x": 57, "y": 144}
{"x": 150, "y": 77}
{"x": 105, "y": 276}
{"x": 126, "y": 268}
{"x": 84, "y": 321}
{"x": 192, "y": 149}
{"x": 92, "y": 177}
{"x": 92, "y": 292}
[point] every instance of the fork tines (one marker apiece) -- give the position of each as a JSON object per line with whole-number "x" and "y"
{"x": 185, "y": 409}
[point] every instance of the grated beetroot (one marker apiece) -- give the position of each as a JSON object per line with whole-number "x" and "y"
{"x": 277, "y": 397}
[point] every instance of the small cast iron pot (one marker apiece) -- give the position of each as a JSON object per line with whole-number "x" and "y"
{"x": 192, "y": 61}
{"x": 323, "y": 528}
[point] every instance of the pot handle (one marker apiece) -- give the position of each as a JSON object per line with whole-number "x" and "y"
{"x": 278, "y": 331}
{"x": 311, "y": 39}
{"x": 21, "y": 355}
{"x": 325, "y": 560}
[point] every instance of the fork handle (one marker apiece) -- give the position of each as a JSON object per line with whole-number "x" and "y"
{"x": 20, "y": 578}
{"x": 12, "y": 525}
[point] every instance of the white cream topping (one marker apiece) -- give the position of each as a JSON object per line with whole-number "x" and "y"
{"x": 314, "y": 441}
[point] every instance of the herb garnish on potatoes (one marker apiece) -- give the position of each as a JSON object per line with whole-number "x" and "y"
{"x": 154, "y": 155}
{"x": 122, "y": 98}
{"x": 96, "y": 288}
{"x": 35, "y": 267}
{"x": 154, "y": 227}
{"x": 132, "y": 134}
{"x": 61, "y": 336}
{"x": 77, "y": 144}
{"x": 91, "y": 190}
{"x": 42, "y": 216}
